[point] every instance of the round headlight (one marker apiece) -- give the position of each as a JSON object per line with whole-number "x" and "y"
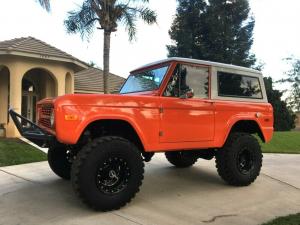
{"x": 52, "y": 118}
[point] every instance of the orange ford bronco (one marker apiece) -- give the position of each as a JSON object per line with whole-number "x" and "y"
{"x": 187, "y": 108}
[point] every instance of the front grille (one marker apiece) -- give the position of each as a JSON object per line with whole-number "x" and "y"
{"x": 44, "y": 115}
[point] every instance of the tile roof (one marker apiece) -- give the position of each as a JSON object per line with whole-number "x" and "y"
{"x": 32, "y": 45}
{"x": 91, "y": 81}
{"x": 88, "y": 80}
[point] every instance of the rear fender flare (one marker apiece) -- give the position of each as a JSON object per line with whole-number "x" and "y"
{"x": 231, "y": 123}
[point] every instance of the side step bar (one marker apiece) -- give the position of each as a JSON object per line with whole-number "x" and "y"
{"x": 31, "y": 131}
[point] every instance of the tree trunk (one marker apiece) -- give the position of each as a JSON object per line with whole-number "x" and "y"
{"x": 106, "y": 51}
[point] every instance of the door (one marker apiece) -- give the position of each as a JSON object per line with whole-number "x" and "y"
{"x": 187, "y": 113}
{"x": 28, "y": 106}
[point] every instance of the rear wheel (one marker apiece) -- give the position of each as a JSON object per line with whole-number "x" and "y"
{"x": 240, "y": 160}
{"x": 107, "y": 173}
{"x": 181, "y": 159}
{"x": 59, "y": 161}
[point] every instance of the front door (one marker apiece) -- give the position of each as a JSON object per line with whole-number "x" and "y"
{"x": 28, "y": 106}
{"x": 187, "y": 114}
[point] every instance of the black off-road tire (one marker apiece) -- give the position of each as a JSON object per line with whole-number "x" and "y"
{"x": 107, "y": 173}
{"x": 59, "y": 162}
{"x": 240, "y": 160}
{"x": 181, "y": 159}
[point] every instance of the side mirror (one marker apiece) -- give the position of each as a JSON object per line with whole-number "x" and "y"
{"x": 187, "y": 94}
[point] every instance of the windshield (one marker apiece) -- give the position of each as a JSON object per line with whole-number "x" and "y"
{"x": 144, "y": 81}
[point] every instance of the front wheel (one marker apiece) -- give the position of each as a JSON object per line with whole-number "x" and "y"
{"x": 240, "y": 160}
{"x": 107, "y": 173}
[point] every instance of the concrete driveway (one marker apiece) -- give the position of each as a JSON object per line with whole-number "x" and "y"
{"x": 31, "y": 194}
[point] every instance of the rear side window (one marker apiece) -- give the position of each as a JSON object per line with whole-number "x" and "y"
{"x": 241, "y": 86}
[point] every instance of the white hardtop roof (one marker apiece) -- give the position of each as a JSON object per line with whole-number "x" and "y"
{"x": 202, "y": 62}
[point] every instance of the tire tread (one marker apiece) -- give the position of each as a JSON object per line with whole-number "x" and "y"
{"x": 223, "y": 160}
{"x": 82, "y": 156}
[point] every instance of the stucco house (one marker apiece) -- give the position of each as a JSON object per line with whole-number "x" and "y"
{"x": 31, "y": 70}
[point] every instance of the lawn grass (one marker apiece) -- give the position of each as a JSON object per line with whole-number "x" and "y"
{"x": 286, "y": 220}
{"x": 14, "y": 152}
{"x": 283, "y": 142}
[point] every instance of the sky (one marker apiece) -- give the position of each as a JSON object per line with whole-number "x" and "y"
{"x": 276, "y": 34}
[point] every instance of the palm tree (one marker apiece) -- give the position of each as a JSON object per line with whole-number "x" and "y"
{"x": 107, "y": 14}
{"x": 45, "y": 4}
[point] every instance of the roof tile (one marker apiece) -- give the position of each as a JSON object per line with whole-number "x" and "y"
{"x": 34, "y": 46}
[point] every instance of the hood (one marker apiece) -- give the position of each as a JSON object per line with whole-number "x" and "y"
{"x": 105, "y": 100}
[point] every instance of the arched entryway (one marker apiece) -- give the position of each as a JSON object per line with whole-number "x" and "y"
{"x": 4, "y": 98}
{"x": 37, "y": 84}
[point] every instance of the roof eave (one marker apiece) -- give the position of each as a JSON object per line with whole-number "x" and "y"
{"x": 45, "y": 56}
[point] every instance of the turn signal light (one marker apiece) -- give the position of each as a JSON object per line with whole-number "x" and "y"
{"x": 71, "y": 117}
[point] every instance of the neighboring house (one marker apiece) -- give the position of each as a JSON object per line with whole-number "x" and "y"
{"x": 90, "y": 81}
{"x": 31, "y": 70}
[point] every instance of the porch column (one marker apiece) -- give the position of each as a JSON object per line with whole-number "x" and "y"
{"x": 15, "y": 98}
{"x": 73, "y": 83}
{"x": 61, "y": 88}
{"x": 4, "y": 81}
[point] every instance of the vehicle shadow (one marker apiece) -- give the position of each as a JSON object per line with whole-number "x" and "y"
{"x": 164, "y": 180}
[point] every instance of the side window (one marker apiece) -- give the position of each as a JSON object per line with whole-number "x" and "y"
{"x": 189, "y": 81}
{"x": 197, "y": 79}
{"x": 235, "y": 85}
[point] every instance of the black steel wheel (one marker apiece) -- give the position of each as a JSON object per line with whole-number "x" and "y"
{"x": 181, "y": 159}
{"x": 245, "y": 160}
{"x": 60, "y": 161}
{"x": 107, "y": 173}
{"x": 239, "y": 161}
{"x": 113, "y": 175}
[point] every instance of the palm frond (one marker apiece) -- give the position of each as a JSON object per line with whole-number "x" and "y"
{"x": 129, "y": 20}
{"x": 82, "y": 20}
{"x": 108, "y": 13}
{"x": 137, "y": 1}
{"x": 45, "y": 4}
{"x": 129, "y": 17}
{"x": 148, "y": 15}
